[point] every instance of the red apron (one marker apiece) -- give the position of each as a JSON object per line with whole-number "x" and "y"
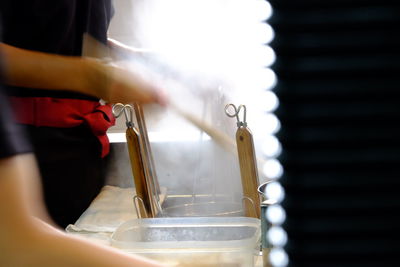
{"x": 65, "y": 113}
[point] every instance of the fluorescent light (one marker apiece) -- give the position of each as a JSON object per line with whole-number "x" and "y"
{"x": 164, "y": 137}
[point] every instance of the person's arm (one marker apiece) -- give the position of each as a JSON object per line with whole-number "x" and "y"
{"x": 26, "y": 241}
{"x": 32, "y": 69}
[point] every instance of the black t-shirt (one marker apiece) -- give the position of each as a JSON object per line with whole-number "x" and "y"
{"x": 53, "y": 26}
{"x": 12, "y": 136}
{"x": 72, "y": 171}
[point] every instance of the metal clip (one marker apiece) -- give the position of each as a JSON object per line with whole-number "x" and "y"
{"x": 118, "y": 109}
{"x": 236, "y": 114}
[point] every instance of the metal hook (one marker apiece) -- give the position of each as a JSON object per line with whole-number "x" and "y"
{"x": 117, "y": 110}
{"x": 236, "y": 114}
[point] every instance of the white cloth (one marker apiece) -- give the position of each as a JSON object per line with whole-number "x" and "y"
{"x": 112, "y": 207}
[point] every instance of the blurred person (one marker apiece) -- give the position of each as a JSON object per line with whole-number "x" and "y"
{"x": 55, "y": 93}
{"x": 26, "y": 240}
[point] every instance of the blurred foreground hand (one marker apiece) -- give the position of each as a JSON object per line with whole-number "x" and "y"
{"x": 116, "y": 84}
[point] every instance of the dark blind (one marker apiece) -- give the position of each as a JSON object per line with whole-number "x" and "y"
{"x": 338, "y": 85}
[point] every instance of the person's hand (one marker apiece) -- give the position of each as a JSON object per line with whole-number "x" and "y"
{"x": 118, "y": 85}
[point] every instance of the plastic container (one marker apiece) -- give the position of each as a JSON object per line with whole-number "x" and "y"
{"x": 192, "y": 241}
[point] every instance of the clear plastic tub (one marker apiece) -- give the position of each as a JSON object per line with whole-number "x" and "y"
{"x": 192, "y": 241}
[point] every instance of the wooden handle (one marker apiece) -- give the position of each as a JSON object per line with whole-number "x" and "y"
{"x": 146, "y": 151}
{"x": 248, "y": 172}
{"x": 139, "y": 177}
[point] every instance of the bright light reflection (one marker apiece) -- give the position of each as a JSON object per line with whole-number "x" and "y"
{"x": 253, "y": 78}
{"x": 272, "y": 169}
{"x": 268, "y": 34}
{"x": 275, "y": 214}
{"x": 210, "y": 35}
{"x": 278, "y": 257}
{"x": 266, "y": 56}
{"x": 260, "y": 33}
{"x": 274, "y": 191}
{"x": 266, "y": 78}
{"x": 262, "y": 10}
{"x": 271, "y": 147}
{"x": 269, "y": 101}
{"x": 277, "y": 236}
{"x": 271, "y": 124}
{"x": 164, "y": 137}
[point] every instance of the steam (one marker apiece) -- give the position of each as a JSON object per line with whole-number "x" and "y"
{"x": 206, "y": 54}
